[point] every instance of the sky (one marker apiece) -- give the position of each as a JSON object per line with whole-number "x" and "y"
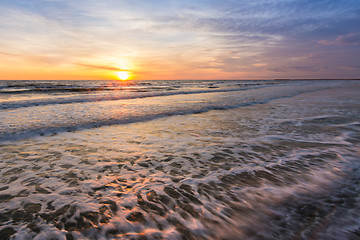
{"x": 179, "y": 39}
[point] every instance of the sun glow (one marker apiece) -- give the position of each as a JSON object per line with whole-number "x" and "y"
{"x": 123, "y": 75}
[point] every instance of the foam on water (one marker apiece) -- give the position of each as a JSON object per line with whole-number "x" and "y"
{"x": 287, "y": 168}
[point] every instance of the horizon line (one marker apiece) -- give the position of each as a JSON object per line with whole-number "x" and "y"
{"x": 264, "y": 79}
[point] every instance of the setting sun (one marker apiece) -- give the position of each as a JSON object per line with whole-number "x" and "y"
{"x": 123, "y": 75}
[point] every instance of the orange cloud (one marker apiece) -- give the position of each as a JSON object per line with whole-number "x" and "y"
{"x": 111, "y": 68}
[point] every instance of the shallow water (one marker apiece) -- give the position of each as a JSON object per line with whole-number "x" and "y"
{"x": 275, "y": 161}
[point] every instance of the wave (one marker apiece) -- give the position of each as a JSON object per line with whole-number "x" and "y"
{"x": 139, "y": 93}
{"x": 41, "y": 130}
{"x": 52, "y": 90}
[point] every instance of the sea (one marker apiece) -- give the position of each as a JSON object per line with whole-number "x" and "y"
{"x": 259, "y": 159}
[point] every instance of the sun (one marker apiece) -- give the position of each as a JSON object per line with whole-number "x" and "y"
{"x": 123, "y": 75}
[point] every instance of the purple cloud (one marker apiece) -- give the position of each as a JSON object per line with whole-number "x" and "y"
{"x": 347, "y": 39}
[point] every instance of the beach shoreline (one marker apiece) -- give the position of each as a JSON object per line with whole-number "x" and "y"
{"x": 283, "y": 167}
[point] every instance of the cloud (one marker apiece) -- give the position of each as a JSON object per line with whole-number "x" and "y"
{"x": 101, "y": 67}
{"x": 229, "y": 36}
{"x": 259, "y": 64}
{"x": 11, "y": 54}
{"x": 347, "y": 39}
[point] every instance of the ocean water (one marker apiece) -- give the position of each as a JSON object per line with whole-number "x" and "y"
{"x": 180, "y": 160}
